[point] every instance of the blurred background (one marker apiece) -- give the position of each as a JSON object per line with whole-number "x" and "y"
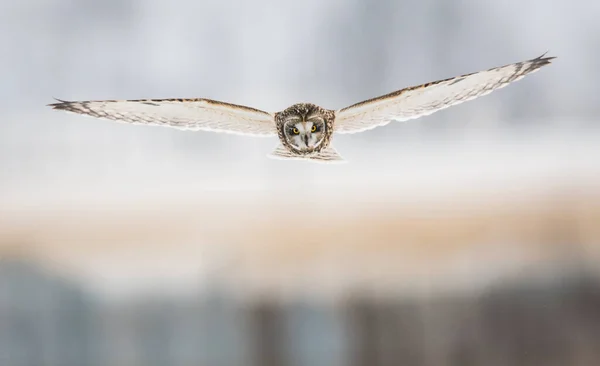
{"x": 469, "y": 237}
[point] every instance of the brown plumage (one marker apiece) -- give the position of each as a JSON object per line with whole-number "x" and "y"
{"x": 305, "y": 130}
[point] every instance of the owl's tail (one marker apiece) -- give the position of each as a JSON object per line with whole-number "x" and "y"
{"x": 328, "y": 155}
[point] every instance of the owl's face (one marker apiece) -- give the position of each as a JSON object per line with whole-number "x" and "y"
{"x": 304, "y": 134}
{"x": 304, "y": 127}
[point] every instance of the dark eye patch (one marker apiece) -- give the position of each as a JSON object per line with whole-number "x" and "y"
{"x": 319, "y": 124}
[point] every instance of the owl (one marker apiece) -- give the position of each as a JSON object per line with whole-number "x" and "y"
{"x": 306, "y": 130}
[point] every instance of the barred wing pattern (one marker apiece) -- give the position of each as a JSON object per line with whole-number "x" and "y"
{"x": 422, "y": 100}
{"x": 185, "y": 114}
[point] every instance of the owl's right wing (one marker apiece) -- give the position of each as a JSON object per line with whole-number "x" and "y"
{"x": 185, "y": 114}
{"x": 422, "y": 100}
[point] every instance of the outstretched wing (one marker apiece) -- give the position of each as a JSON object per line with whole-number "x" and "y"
{"x": 185, "y": 114}
{"x": 422, "y": 100}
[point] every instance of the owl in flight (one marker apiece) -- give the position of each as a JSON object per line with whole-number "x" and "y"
{"x": 305, "y": 130}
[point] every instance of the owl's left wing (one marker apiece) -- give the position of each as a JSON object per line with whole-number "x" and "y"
{"x": 185, "y": 114}
{"x": 422, "y": 100}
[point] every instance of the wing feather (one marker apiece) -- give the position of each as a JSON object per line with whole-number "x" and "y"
{"x": 185, "y": 114}
{"x": 422, "y": 100}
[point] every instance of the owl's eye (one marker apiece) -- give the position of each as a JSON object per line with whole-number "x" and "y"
{"x": 314, "y": 128}
{"x": 295, "y": 131}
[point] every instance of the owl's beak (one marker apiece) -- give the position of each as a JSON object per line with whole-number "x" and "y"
{"x": 306, "y": 140}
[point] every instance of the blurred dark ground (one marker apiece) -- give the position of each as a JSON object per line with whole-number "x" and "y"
{"x": 50, "y": 321}
{"x": 513, "y": 283}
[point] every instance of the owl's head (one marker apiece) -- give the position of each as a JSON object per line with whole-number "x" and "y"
{"x": 305, "y": 127}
